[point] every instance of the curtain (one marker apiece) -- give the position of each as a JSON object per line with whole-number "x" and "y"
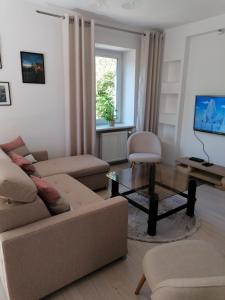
{"x": 149, "y": 81}
{"x": 79, "y": 64}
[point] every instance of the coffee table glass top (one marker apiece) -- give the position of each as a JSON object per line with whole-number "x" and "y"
{"x": 168, "y": 180}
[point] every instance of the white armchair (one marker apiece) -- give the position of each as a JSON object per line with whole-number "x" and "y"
{"x": 187, "y": 270}
{"x": 144, "y": 147}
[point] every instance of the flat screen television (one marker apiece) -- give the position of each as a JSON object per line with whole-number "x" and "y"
{"x": 210, "y": 114}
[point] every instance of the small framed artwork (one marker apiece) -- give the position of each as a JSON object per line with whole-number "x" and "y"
{"x": 5, "y": 99}
{"x": 33, "y": 70}
{"x": 0, "y": 56}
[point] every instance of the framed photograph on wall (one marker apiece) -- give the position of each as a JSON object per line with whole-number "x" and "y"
{"x": 5, "y": 98}
{"x": 0, "y": 57}
{"x": 33, "y": 70}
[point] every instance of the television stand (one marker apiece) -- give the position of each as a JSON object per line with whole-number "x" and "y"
{"x": 214, "y": 174}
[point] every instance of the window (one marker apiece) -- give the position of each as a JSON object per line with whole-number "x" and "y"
{"x": 108, "y": 86}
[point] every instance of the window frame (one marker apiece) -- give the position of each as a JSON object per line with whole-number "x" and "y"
{"x": 119, "y": 56}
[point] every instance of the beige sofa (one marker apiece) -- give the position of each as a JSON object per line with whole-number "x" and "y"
{"x": 39, "y": 253}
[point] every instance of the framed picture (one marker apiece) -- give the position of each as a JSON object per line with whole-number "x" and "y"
{"x": 5, "y": 99}
{"x": 33, "y": 70}
{"x": 0, "y": 55}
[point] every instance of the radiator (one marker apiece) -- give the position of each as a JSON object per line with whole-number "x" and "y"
{"x": 113, "y": 146}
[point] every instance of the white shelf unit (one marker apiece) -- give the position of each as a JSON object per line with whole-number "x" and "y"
{"x": 167, "y": 119}
{"x": 169, "y": 107}
{"x": 167, "y": 133}
{"x": 168, "y": 103}
{"x": 171, "y": 71}
{"x": 170, "y": 87}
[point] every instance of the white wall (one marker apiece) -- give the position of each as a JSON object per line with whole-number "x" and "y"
{"x": 205, "y": 76}
{"x": 203, "y": 72}
{"x": 37, "y": 111}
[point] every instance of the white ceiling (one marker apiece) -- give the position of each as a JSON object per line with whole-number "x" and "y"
{"x": 147, "y": 13}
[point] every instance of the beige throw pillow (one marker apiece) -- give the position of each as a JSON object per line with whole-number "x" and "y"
{"x": 15, "y": 184}
{"x": 4, "y": 156}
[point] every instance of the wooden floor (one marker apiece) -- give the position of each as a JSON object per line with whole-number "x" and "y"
{"x": 118, "y": 280}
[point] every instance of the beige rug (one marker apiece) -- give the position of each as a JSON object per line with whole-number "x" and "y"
{"x": 175, "y": 227}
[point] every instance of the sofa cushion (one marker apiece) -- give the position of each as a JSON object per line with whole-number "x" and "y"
{"x": 76, "y": 166}
{"x": 22, "y": 162}
{"x": 50, "y": 195}
{"x": 4, "y": 156}
{"x": 46, "y": 191}
{"x": 73, "y": 191}
{"x": 15, "y": 214}
{"x": 18, "y": 146}
{"x": 31, "y": 158}
{"x": 16, "y": 184}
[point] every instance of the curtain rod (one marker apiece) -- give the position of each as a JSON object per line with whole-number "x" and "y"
{"x": 99, "y": 25}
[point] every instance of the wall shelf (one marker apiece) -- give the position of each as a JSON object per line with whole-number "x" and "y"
{"x": 171, "y": 71}
{"x": 167, "y": 133}
{"x": 168, "y": 118}
{"x": 169, "y": 108}
{"x": 168, "y": 103}
{"x": 170, "y": 88}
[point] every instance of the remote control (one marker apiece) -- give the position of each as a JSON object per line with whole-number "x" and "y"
{"x": 196, "y": 159}
{"x": 206, "y": 164}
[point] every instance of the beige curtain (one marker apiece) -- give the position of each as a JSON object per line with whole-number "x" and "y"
{"x": 149, "y": 81}
{"x": 79, "y": 62}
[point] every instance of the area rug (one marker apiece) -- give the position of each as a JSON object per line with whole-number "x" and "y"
{"x": 173, "y": 228}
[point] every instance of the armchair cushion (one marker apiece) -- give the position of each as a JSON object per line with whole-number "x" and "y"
{"x": 144, "y": 157}
{"x": 206, "y": 288}
{"x": 184, "y": 259}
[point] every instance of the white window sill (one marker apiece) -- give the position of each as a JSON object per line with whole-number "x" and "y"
{"x": 117, "y": 126}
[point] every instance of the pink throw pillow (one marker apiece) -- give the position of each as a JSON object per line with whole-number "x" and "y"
{"x": 47, "y": 192}
{"x": 22, "y": 162}
{"x": 17, "y": 146}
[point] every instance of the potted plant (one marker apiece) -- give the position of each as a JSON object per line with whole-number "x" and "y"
{"x": 105, "y": 107}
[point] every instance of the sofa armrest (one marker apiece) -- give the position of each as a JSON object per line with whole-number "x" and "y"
{"x": 40, "y": 155}
{"x": 191, "y": 288}
{"x": 44, "y": 256}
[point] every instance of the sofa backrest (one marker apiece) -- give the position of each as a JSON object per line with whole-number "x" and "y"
{"x": 15, "y": 214}
{"x": 15, "y": 184}
{"x": 19, "y": 203}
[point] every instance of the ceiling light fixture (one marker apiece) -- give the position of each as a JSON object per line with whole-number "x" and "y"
{"x": 131, "y": 4}
{"x": 221, "y": 30}
{"x": 101, "y": 3}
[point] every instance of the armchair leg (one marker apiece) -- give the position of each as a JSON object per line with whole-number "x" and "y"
{"x": 132, "y": 164}
{"x": 140, "y": 285}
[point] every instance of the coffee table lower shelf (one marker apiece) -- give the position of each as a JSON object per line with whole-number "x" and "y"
{"x": 152, "y": 212}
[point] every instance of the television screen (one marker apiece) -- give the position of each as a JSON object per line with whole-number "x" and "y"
{"x": 210, "y": 114}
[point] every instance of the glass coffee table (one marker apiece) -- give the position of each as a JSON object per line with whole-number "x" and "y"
{"x": 155, "y": 182}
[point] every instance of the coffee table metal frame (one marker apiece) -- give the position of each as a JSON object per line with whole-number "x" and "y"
{"x": 152, "y": 212}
